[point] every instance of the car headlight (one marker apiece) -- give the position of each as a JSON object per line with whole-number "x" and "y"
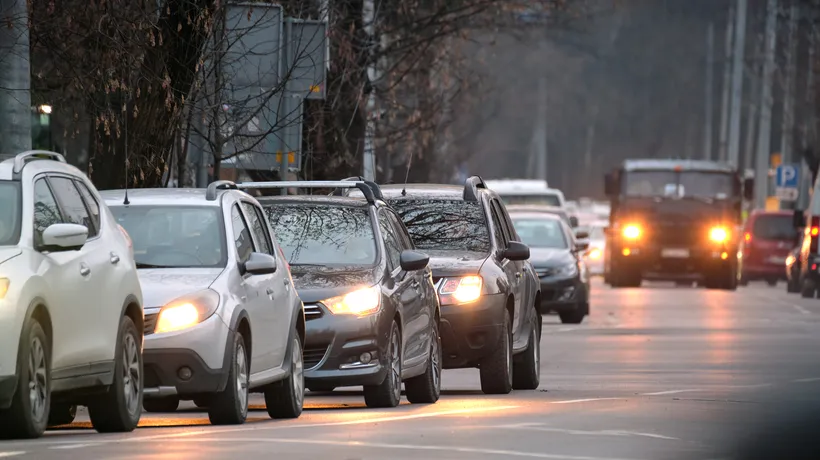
{"x": 460, "y": 290}
{"x": 360, "y": 302}
{"x": 4, "y": 287}
{"x": 594, "y": 254}
{"x": 187, "y": 311}
{"x": 631, "y": 232}
{"x": 568, "y": 270}
{"x": 719, "y": 234}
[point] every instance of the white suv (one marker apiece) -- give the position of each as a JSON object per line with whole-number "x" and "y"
{"x": 70, "y": 302}
{"x": 222, "y": 317}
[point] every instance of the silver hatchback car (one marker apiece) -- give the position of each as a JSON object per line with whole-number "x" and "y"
{"x": 222, "y": 317}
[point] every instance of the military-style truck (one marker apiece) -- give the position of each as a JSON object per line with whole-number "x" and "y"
{"x": 674, "y": 220}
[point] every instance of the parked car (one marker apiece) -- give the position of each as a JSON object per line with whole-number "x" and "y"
{"x": 559, "y": 263}
{"x": 793, "y": 266}
{"x": 594, "y": 256}
{"x": 488, "y": 290}
{"x": 526, "y": 192}
{"x": 768, "y": 237}
{"x": 71, "y": 313}
{"x": 222, "y": 317}
{"x": 371, "y": 309}
{"x": 569, "y": 218}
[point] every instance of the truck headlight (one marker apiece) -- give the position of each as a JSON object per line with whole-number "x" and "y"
{"x": 187, "y": 311}
{"x": 719, "y": 234}
{"x": 631, "y": 232}
{"x": 460, "y": 290}
{"x": 360, "y": 302}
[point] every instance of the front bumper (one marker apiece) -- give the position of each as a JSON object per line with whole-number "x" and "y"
{"x": 11, "y": 325}
{"x": 8, "y": 385}
{"x": 470, "y": 332}
{"x": 561, "y": 294}
{"x": 202, "y": 349}
{"x": 334, "y": 345}
{"x": 655, "y": 263}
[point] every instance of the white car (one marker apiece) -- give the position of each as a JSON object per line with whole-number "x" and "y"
{"x": 594, "y": 256}
{"x": 222, "y": 317}
{"x": 71, "y": 313}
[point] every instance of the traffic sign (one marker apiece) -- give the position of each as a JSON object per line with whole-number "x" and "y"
{"x": 787, "y": 181}
{"x": 787, "y": 194}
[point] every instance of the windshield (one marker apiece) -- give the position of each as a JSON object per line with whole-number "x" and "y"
{"x": 546, "y": 199}
{"x": 774, "y": 227}
{"x": 174, "y": 236}
{"x": 693, "y": 183}
{"x": 445, "y": 225}
{"x": 9, "y": 213}
{"x": 540, "y": 233}
{"x": 324, "y": 235}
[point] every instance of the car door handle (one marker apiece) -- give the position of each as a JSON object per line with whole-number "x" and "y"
{"x": 114, "y": 258}
{"x": 84, "y": 270}
{"x": 269, "y": 291}
{"x": 518, "y": 275}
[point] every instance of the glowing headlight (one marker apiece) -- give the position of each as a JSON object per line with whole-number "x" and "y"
{"x": 631, "y": 232}
{"x": 594, "y": 253}
{"x": 360, "y": 302}
{"x": 460, "y": 290}
{"x": 718, "y": 234}
{"x": 4, "y": 287}
{"x": 187, "y": 311}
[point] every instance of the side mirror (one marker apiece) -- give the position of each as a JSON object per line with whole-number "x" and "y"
{"x": 610, "y": 185}
{"x": 582, "y": 235}
{"x": 582, "y": 245}
{"x": 412, "y": 260}
{"x": 260, "y": 264}
{"x": 749, "y": 189}
{"x": 517, "y": 251}
{"x": 573, "y": 221}
{"x": 64, "y": 237}
{"x": 798, "y": 219}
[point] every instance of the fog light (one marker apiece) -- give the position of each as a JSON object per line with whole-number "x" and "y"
{"x": 365, "y": 358}
{"x": 626, "y": 252}
{"x": 724, "y": 255}
{"x": 185, "y": 373}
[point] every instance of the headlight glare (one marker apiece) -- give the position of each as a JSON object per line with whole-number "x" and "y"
{"x": 719, "y": 234}
{"x": 187, "y": 311}
{"x": 4, "y": 287}
{"x": 460, "y": 290}
{"x": 595, "y": 253}
{"x": 360, "y": 302}
{"x": 631, "y": 232}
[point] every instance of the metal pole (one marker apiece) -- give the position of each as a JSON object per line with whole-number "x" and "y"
{"x": 287, "y": 106}
{"x": 786, "y": 137}
{"x": 737, "y": 83}
{"x": 707, "y": 119}
{"x": 754, "y": 70}
{"x": 727, "y": 79}
{"x": 15, "y": 78}
{"x": 765, "y": 126}
{"x": 369, "y": 154}
{"x": 808, "y": 120}
{"x": 541, "y": 130}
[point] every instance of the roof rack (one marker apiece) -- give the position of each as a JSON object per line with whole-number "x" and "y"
{"x": 377, "y": 191}
{"x": 366, "y": 189}
{"x": 215, "y": 186}
{"x": 21, "y": 159}
{"x": 471, "y": 186}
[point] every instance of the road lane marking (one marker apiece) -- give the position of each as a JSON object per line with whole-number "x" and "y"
{"x": 811, "y": 379}
{"x": 670, "y": 392}
{"x": 756, "y": 385}
{"x": 566, "y": 329}
{"x": 75, "y": 446}
{"x": 11, "y": 454}
{"x": 801, "y": 309}
{"x": 573, "y": 401}
{"x": 541, "y": 427}
{"x": 797, "y": 307}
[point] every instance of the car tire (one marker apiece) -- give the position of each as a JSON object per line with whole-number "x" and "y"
{"x": 61, "y": 414}
{"x": 426, "y": 388}
{"x": 575, "y": 316}
{"x": 527, "y": 365}
{"x": 230, "y": 406}
{"x": 388, "y": 393}
{"x": 22, "y": 420}
{"x": 160, "y": 405}
{"x": 496, "y": 370}
{"x": 743, "y": 281}
{"x": 286, "y": 398}
{"x": 772, "y": 282}
{"x": 119, "y": 409}
{"x": 791, "y": 285}
{"x": 808, "y": 289}
{"x": 319, "y": 387}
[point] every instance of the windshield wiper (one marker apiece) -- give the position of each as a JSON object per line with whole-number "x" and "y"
{"x": 142, "y": 265}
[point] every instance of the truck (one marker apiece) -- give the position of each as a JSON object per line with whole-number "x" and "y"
{"x": 674, "y": 220}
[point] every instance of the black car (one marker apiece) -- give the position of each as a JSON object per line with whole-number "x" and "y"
{"x": 793, "y": 266}
{"x": 488, "y": 290}
{"x": 371, "y": 310}
{"x": 558, "y": 260}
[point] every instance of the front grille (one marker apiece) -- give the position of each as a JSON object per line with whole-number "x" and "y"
{"x": 313, "y": 355}
{"x": 313, "y": 311}
{"x": 542, "y": 272}
{"x": 150, "y": 322}
{"x": 680, "y": 236}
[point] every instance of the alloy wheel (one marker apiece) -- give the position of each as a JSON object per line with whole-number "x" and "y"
{"x": 131, "y": 373}
{"x": 242, "y": 375}
{"x": 395, "y": 364}
{"x": 37, "y": 384}
{"x": 298, "y": 371}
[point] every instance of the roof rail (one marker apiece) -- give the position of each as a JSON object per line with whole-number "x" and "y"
{"x": 377, "y": 191}
{"x": 366, "y": 190}
{"x": 215, "y": 186}
{"x": 21, "y": 159}
{"x": 471, "y": 186}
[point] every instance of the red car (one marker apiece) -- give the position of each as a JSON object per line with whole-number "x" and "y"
{"x": 768, "y": 236}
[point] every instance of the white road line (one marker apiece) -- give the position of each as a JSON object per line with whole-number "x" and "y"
{"x": 812, "y": 379}
{"x": 757, "y": 385}
{"x": 11, "y": 454}
{"x": 670, "y": 392}
{"x": 75, "y": 446}
{"x": 573, "y": 401}
{"x": 801, "y": 309}
{"x": 540, "y": 427}
{"x": 566, "y": 329}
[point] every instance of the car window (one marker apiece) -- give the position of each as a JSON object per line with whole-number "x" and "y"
{"x": 391, "y": 241}
{"x": 401, "y": 231}
{"x": 72, "y": 203}
{"x": 444, "y": 224}
{"x": 505, "y": 218}
{"x": 323, "y": 235}
{"x": 46, "y": 211}
{"x": 241, "y": 235}
{"x": 10, "y": 212}
{"x": 91, "y": 204}
{"x": 501, "y": 222}
{"x": 773, "y": 227}
{"x": 546, "y": 199}
{"x": 542, "y": 233}
{"x": 260, "y": 230}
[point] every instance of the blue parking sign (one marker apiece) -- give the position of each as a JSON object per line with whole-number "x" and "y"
{"x": 788, "y": 176}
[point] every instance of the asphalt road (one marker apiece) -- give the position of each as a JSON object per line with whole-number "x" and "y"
{"x": 655, "y": 373}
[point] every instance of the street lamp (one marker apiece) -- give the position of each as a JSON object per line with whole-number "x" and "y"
{"x": 46, "y": 109}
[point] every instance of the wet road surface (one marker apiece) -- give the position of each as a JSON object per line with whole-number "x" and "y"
{"x": 655, "y": 373}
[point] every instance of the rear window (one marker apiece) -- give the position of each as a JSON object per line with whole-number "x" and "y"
{"x": 445, "y": 225}
{"x": 774, "y": 227}
{"x": 546, "y": 199}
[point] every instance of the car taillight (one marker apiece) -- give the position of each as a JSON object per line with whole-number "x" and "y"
{"x": 747, "y": 237}
{"x": 813, "y": 232}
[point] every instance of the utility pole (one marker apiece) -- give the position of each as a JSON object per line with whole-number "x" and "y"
{"x": 369, "y": 157}
{"x": 727, "y": 81}
{"x": 15, "y": 78}
{"x": 786, "y": 138}
{"x": 737, "y": 83}
{"x": 707, "y": 119}
{"x": 765, "y": 126}
{"x": 809, "y": 119}
{"x": 539, "y": 141}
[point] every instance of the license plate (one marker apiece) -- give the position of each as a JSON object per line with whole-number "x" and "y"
{"x": 675, "y": 253}
{"x": 777, "y": 260}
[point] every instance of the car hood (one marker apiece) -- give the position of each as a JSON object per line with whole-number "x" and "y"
{"x": 10, "y": 252}
{"x": 454, "y": 263}
{"x": 550, "y": 258}
{"x": 315, "y": 283}
{"x": 162, "y": 285}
